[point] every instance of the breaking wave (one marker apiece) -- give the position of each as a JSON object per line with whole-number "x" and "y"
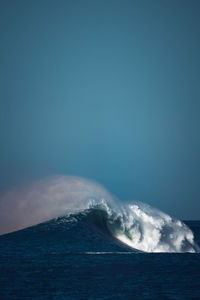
{"x": 145, "y": 228}
{"x": 135, "y": 224}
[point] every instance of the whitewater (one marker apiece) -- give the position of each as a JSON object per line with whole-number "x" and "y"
{"x": 147, "y": 229}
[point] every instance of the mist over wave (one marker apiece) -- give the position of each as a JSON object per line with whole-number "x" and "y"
{"x": 45, "y": 199}
{"x": 137, "y": 225}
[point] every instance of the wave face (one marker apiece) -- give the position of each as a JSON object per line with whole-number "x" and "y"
{"x": 90, "y": 211}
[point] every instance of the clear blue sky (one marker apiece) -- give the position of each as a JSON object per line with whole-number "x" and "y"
{"x": 108, "y": 90}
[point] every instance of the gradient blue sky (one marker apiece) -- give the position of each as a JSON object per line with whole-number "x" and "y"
{"x": 108, "y": 90}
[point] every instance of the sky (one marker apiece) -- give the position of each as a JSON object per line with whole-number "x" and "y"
{"x": 107, "y": 90}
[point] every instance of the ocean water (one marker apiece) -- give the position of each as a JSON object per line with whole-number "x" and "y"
{"x": 103, "y": 253}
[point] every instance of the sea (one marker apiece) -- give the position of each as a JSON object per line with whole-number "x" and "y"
{"x": 101, "y": 253}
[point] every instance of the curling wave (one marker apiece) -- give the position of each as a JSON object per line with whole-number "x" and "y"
{"x": 135, "y": 225}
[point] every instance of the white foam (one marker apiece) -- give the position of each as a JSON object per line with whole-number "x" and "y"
{"x": 147, "y": 229}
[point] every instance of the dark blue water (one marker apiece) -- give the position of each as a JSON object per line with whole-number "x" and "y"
{"x": 76, "y": 257}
